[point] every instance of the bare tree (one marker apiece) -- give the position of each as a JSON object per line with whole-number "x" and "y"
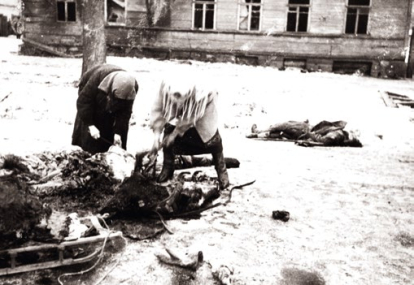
{"x": 157, "y": 11}
{"x": 94, "y": 42}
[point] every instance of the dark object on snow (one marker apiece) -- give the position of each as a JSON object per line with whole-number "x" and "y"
{"x": 330, "y": 134}
{"x": 281, "y": 215}
{"x": 190, "y": 161}
{"x": 140, "y": 196}
{"x": 104, "y": 110}
{"x": 190, "y": 261}
{"x": 20, "y": 211}
{"x": 295, "y": 276}
{"x": 323, "y": 134}
{"x": 136, "y": 195}
{"x": 17, "y": 168}
{"x": 290, "y": 130}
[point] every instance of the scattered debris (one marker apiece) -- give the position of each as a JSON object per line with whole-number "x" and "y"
{"x": 5, "y": 97}
{"x": 405, "y": 239}
{"x": 281, "y": 215}
{"x": 395, "y": 100}
{"x": 20, "y": 211}
{"x": 224, "y": 274}
{"x": 190, "y": 261}
{"x": 76, "y": 228}
{"x": 83, "y": 181}
{"x": 120, "y": 162}
{"x": 140, "y": 196}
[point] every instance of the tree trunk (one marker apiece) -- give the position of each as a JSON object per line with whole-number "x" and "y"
{"x": 94, "y": 42}
{"x": 150, "y": 15}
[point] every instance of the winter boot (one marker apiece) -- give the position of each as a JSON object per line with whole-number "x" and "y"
{"x": 167, "y": 171}
{"x": 220, "y": 166}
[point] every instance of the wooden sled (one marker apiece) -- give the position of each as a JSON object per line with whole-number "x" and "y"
{"x": 104, "y": 234}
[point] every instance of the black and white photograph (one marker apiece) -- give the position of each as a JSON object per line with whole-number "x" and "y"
{"x": 206, "y": 142}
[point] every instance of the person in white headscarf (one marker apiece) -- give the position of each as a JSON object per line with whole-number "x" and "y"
{"x": 104, "y": 106}
{"x": 185, "y": 112}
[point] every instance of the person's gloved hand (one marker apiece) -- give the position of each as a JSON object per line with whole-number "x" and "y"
{"x": 94, "y": 132}
{"x": 117, "y": 140}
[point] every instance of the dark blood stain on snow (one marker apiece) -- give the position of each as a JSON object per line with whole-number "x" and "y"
{"x": 294, "y": 276}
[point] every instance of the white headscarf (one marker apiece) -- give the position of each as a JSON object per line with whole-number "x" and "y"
{"x": 121, "y": 84}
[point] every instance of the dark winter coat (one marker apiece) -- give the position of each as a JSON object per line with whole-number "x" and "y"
{"x": 92, "y": 110}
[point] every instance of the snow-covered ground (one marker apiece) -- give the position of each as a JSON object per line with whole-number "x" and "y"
{"x": 351, "y": 209}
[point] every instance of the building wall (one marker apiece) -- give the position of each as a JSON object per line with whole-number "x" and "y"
{"x": 41, "y": 25}
{"x": 226, "y": 16}
{"x": 387, "y": 38}
{"x": 389, "y": 18}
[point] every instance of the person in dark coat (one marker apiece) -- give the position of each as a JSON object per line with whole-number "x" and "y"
{"x": 104, "y": 106}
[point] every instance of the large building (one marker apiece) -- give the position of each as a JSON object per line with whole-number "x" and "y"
{"x": 369, "y": 36}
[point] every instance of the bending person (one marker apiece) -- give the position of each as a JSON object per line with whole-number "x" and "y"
{"x": 104, "y": 106}
{"x": 188, "y": 117}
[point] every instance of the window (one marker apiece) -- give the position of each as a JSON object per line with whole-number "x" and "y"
{"x": 357, "y": 17}
{"x": 203, "y": 16}
{"x": 249, "y": 15}
{"x": 115, "y": 11}
{"x": 66, "y": 11}
{"x": 298, "y": 14}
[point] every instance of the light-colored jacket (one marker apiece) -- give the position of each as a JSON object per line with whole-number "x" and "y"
{"x": 200, "y": 111}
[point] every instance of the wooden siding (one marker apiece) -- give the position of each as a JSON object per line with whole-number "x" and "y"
{"x": 411, "y": 24}
{"x": 181, "y": 14}
{"x": 274, "y": 15}
{"x": 41, "y": 24}
{"x": 226, "y": 15}
{"x": 325, "y": 40}
{"x": 388, "y": 18}
{"x": 327, "y": 17}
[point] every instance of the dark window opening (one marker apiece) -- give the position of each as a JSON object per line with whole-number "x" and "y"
{"x": 115, "y": 11}
{"x": 349, "y": 67}
{"x": 198, "y": 16}
{"x": 204, "y": 15}
{"x": 297, "y": 19}
{"x": 291, "y": 22}
{"x": 66, "y": 11}
{"x": 357, "y": 20}
{"x": 249, "y": 15}
{"x": 247, "y": 60}
{"x": 359, "y": 2}
{"x": 303, "y": 19}
{"x": 294, "y": 63}
{"x": 209, "y": 16}
{"x": 61, "y": 11}
{"x": 71, "y": 11}
{"x": 255, "y": 19}
{"x": 303, "y": 2}
{"x": 362, "y": 24}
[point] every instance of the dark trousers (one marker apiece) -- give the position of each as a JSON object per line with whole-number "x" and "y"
{"x": 192, "y": 144}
